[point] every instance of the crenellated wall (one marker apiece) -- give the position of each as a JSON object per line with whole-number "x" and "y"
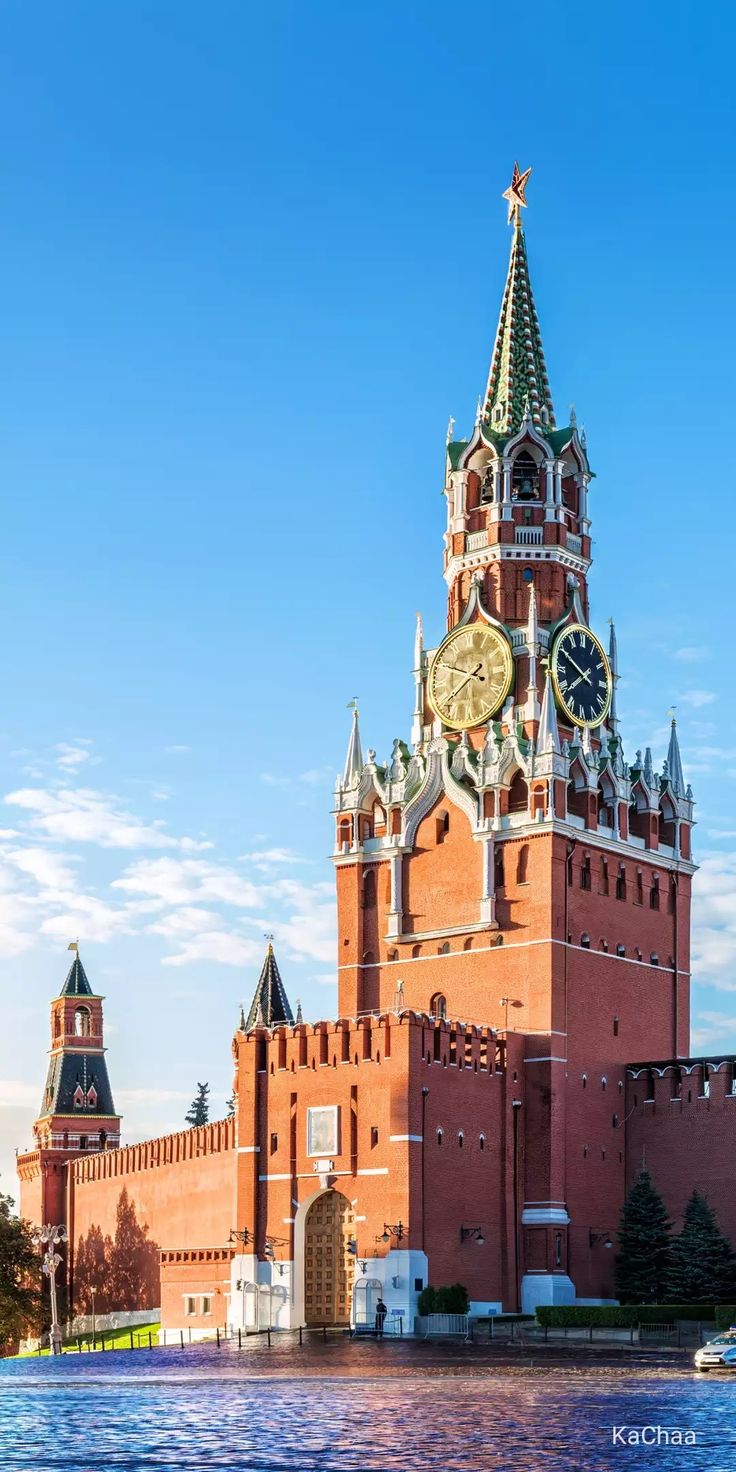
{"x": 682, "y": 1126}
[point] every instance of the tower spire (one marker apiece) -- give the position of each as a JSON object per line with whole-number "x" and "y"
{"x": 270, "y": 1005}
{"x": 354, "y": 758}
{"x": 674, "y": 762}
{"x": 518, "y": 372}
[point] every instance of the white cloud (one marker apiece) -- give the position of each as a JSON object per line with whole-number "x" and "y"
{"x": 710, "y": 1029}
{"x": 698, "y": 698}
{"x": 267, "y": 858}
{"x": 71, "y": 757}
{"x": 82, "y": 815}
{"x": 691, "y": 653}
{"x": 714, "y": 921}
{"x": 14, "y": 1092}
{"x": 172, "y": 881}
{"x": 226, "y": 947}
{"x": 177, "y": 750}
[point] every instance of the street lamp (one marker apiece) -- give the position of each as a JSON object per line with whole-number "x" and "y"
{"x": 50, "y": 1238}
{"x": 388, "y": 1232}
{"x": 507, "y": 1002}
{"x": 93, "y": 1290}
{"x": 472, "y": 1234}
{"x": 595, "y": 1237}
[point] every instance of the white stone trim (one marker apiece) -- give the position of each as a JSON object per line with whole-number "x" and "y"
{"x": 551, "y": 1216}
{"x": 249, "y": 1150}
{"x": 514, "y": 945}
{"x": 418, "y": 1139}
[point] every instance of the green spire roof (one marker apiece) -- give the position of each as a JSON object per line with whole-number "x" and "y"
{"x": 76, "y": 984}
{"x": 270, "y": 1005}
{"x": 518, "y": 374}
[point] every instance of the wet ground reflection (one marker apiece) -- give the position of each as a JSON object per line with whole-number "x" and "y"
{"x": 355, "y": 1406}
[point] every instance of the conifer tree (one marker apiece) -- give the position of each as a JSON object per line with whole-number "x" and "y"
{"x": 199, "y": 1109}
{"x": 702, "y": 1261}
{"x": 231, "y": 1106}
{"x": 644, "y": 1237}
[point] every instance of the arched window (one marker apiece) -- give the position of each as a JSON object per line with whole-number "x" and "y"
{"x": 460, "y": 1139}
{"x": 379, "y": 821}
{"x": 440, "y": 1136}
{"x": 519, "y": 794}
{"x": 522, "y": 864}
{"x": 620, "y": 949}
{"x": 444, "y": 949}
{"x": 621, "y": 882}
{"x": 438, "y": 1006}
{"x": 57, "y": 1026}
{"x": 82, "y": 1022}
{"x": 482, "y": 1142}
{"x": 654, "y": 958}
{"x": 369, "y": 889}
{"x": 343, "y": 833}
{"x": 442, "y": 826}
{"x": 654, "y": 893}
{"x": 585, "y": 872}
{"x": 585, "y": 940}
{"x": 498, "y": 877}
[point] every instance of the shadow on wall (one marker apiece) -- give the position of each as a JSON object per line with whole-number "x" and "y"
{"x": 124, "y": 1272}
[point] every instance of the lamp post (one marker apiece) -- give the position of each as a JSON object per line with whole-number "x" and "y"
{"x": 50, "y": 1238}
{"x": 93, "y": 1290}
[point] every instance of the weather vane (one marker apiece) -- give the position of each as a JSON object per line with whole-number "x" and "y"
{"x": 515, "y": 194}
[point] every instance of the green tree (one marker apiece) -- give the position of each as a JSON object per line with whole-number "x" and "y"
{"x": 199, "y": 1109}
{"x": 231, "y": 1106}
{"x": 644, "y": 1238}
{"x": 702, "y": 1261}
{"x": 20, "y": 1275}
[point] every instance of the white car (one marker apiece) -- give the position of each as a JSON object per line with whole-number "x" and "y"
{"x": 718, "y": 1353}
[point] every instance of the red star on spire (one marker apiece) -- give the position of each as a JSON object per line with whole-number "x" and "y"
{"x": 515, "y": 193}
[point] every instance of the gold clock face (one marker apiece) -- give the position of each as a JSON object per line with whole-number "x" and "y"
{"x": 581, "y": 676}
{"x": 470, "y": 676}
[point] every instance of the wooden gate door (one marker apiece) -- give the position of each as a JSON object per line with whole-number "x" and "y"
{"x": 329, "y": 1266}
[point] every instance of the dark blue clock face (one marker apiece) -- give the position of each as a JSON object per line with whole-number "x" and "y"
{"x": 581, "y": 676}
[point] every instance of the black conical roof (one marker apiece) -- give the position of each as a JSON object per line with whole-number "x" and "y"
{"x": 76, "y": 984}
{"x": 270, "y": 1005}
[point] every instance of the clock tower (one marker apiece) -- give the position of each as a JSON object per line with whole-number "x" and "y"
{"x": 508, "y": 865}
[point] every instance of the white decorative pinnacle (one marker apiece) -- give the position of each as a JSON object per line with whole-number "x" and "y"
{"x": 548, "y": 739}
{"x": 674, "y": 762}
{"x": 532, "y": 644}
{"x": 613, "y": 662}
{"x": 354, "y": 758}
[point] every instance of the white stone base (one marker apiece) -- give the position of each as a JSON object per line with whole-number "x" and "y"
{"x": 545, "y": 1288}
{"x": 271, "y": 1295}
{"x": 482, "y": 1308}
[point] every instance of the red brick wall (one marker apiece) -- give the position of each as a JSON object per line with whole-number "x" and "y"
{"x": 687, "y": 1142}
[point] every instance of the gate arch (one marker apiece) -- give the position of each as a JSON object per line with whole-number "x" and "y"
{"x": 329, "y": 1265}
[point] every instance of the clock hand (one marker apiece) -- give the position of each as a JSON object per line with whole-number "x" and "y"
{"x": 471, "y": 676}
{"x": 458, "y": 671}
{"x": 575, "y": 666}
{"x": 574, "y": 683}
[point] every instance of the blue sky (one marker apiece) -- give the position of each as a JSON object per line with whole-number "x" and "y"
{"x": 251, "y": 260}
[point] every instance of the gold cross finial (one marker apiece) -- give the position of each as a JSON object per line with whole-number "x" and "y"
{"x": 515, "y": 194}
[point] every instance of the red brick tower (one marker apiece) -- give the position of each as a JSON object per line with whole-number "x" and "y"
{"x": 509, "y": 867}
{"x": 77, "y": 1115}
